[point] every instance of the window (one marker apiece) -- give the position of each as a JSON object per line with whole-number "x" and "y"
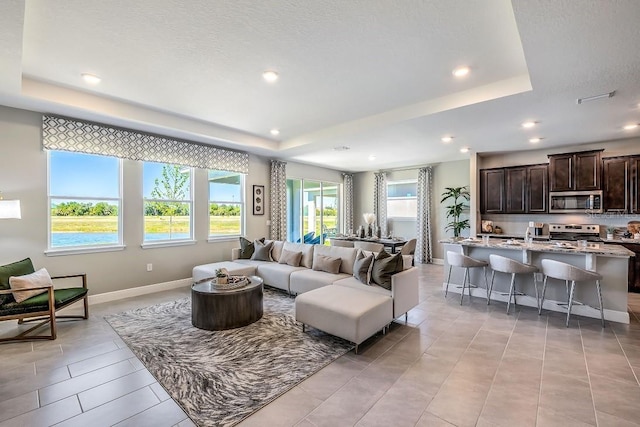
{"x": 402, "y": 199}
{"x": 84, "y": 201}
{"x": 312, "y": 211}
{"x": 226, "y": 204}
{"x": 167, "y": 202}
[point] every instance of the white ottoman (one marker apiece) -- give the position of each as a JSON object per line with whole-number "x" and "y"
{"x": 209, "y": 270}
{"x": 348, "y": 313}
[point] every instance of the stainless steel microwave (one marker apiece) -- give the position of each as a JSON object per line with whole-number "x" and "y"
{"x": 575, "y": 202}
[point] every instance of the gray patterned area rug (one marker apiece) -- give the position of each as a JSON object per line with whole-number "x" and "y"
{"x": 222, "y": 377}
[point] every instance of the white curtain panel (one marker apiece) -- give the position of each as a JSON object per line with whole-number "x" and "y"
{"x": 278, "y": 198}
{"x": 380, "y": 201}
{"x": 423, "y": 252}
{"x": 347, "y": 185}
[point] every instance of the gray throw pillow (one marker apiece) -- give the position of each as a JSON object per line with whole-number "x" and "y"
{"x": 326, "y": 263}
{"x": 290, "y": 258}
{"x": 362, "y": 267}
{"x": 262, "y": 251}
{"x": 247, "y": 248}
{"x": 384, "y": 267}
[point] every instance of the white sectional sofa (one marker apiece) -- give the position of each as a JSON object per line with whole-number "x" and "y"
{"x": 379, "y": 305}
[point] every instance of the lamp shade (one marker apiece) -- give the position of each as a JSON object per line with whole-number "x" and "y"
{"x": 10, "y": 209}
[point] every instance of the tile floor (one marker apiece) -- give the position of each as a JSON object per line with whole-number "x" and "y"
{"x": 451, "y": 365}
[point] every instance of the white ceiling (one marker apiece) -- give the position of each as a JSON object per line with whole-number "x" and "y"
{"x": 368, "y": 74}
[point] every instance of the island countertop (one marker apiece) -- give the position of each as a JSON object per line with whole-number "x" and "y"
{"x": 599, "y": 249}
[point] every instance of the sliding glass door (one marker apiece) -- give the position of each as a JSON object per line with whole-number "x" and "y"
{"x": 312, "y": 210}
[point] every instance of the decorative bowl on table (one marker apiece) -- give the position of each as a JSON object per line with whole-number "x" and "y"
{"x": 232, "y": 282}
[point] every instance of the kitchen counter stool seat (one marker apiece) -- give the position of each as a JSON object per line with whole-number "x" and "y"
{"x": 455, "y": 259}
{"x": 513, "y": 267}
{"x": 569, "y": 273}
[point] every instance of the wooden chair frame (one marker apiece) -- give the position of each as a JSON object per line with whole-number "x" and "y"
{"x": 44, "y": 316}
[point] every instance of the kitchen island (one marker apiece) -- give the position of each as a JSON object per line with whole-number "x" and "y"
{"x": 611, "y": 261}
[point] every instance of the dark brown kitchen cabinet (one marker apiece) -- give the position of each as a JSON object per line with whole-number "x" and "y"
{"x": 516, "y": 190}
{"x": 492, "y": 191}
{"x": 616, "y": 180}
{"x": 537, "y": 188}
{"x": 575, "y": 171}
{"x": 635, "y": 185}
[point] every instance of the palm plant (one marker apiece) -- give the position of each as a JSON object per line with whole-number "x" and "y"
{"x": 460, "y": 195}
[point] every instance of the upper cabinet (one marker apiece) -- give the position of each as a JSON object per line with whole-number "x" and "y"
{"x": 616, "y": 174}
{"x": 521, "y": 189}
{"x": 575, "y": 171}
{"x": 635, "y": 185}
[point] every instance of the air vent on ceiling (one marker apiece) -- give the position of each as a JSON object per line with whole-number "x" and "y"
{"x": 596, "y": 97}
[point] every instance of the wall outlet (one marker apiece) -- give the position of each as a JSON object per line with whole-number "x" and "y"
{"x": 268, "y": 222}
{"x": 149, "y": 267}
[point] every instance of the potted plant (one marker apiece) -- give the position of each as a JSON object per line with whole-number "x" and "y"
{"x": 459, "y": 195}
{"x": 222, "y": 277}
{"x": 610, "y": 232}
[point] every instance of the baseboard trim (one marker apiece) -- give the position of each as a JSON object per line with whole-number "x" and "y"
{"x": 140, "y": 290}
{"x": 437, "y": 261}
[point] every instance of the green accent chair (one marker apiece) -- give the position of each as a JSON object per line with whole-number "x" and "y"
{"x": 39, "y": 308}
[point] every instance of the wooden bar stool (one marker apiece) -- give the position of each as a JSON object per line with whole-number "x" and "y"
{"x": 510, "y": 266}
{"x": 573, "y": 274}
{"x": 456, "y": 259}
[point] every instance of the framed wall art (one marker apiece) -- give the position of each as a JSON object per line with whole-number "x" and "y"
{"x": 258, "y": 199}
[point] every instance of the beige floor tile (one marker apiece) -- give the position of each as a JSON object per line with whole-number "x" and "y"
{"x": 618, "y": 398}
{"x": 550, "y": 418}
{"x": 605, "y": 419}
{"x": 24, "y": 385}
{"x": 287, "y": 410}
{"x": 47, "y": 415}
{"x": 331, "y": 378}
{"x": 401, "y": 405}
{"x": 562, "y": 361}
{"x": 100, "y": 361}
{"x": 160, "y": 392}
{"x": 165, "y": 414}
{"x": 460, "y": 400}
{"x": 430, "y": 420}
{"x": 568, "y": 397}
{"x": 613, "y": 366}
{"x": 18, "y": 405}
{"x": 115, "y": 389}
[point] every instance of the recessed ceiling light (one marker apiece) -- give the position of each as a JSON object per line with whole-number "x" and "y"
{"x": 464, "y": 150}
{"x": 341, "y": 148}
{"x": 274, "y": 132}
{"x": 270, "y": 76}
{"x": 631, "y": 126}
{"x": 92, "y": 79}
{"x": 461, "y": 71}
{"x": 372, "y": 157}
{"x": 528, "y": 124}
{"x": 535, "y": 140}
{"x": 447, "y": 139}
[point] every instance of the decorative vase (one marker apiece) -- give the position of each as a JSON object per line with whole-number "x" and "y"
{"x": 222, "y": 280}
{"x": 609, "y": 236}
{"x": 370, "y": 231}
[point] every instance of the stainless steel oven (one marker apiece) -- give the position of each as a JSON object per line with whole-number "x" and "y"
{"x": 575, "y": 202}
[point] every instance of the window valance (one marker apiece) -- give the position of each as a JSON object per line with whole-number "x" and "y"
{"x": 60, "y": 133}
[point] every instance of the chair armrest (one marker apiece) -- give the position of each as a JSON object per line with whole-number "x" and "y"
{"x": 405, "y": 291}
{"x": 83, "y": 275}
{"x": 11, "y": 291}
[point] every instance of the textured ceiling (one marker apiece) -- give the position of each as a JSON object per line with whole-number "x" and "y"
{"x": 371, "y": 75}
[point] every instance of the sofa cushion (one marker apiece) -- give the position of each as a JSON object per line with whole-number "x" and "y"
{"x": 290, "y": 258}
{"x": 306, "y": 249}
{"x": 276, "y": 275}
{"x": 239, "y": 267}
{"x": 306, "y": 280}
{"x": 348, "y": 256}
{"x": 18, "y": 268}
{"x": 41, "y": 302}
{"x": 385, "y": 266}
{"x": 326, "y": 263}
{"x": 247, "y": 248}
{"x": 262, "y": 251}
{"x": 37, "y": 279}
{"x": 352, "y": 282}
{"x": 276, "y": 249}
{"x": 362, "y": 268}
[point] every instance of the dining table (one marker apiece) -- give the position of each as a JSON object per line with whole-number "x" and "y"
{"x": 391, "y": 243}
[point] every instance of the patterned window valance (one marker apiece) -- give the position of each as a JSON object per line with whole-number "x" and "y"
{"x": 60, "y": 133}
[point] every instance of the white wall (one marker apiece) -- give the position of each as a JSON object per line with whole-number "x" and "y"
{"x": 23, "y": 175}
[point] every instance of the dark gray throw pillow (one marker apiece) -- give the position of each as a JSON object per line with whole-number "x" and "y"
{"x": 362, "y": 267}
{"x": 384, "y": 267}
{"x": 247, "y": 248}
{"x": 262, "y": 251}
{"x": 326, "y": 263}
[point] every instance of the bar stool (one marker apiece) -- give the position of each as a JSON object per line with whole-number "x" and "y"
{"x": 508, "y": 265}
{"x": 568, "y": 272}
{"x": 456, "y": 259}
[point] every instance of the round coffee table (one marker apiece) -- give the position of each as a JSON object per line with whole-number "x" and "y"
{"x": 215, "y": 309}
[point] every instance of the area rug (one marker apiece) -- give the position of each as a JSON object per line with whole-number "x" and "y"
{"x": 221, "y": 377}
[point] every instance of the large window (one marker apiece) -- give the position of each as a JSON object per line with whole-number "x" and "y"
{"x": 167, "y": 202}
{"x": 226, "y": 204}
{"x": 402, "y": 199}
{"x": 84, "y": 200}
{"x": 312, "y": 210}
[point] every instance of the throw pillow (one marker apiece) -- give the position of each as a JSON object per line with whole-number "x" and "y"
{"x": 290, "y": 258}
{"x": 34, "y": 280}
{"x": 19, "y": 268}
{"x": 262, "y": 251}
{"x": 247, "y": 248}
{"x": 326, "y": 263}
{"x": 384, "y": 267}
{"x": 362, "y": 267}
